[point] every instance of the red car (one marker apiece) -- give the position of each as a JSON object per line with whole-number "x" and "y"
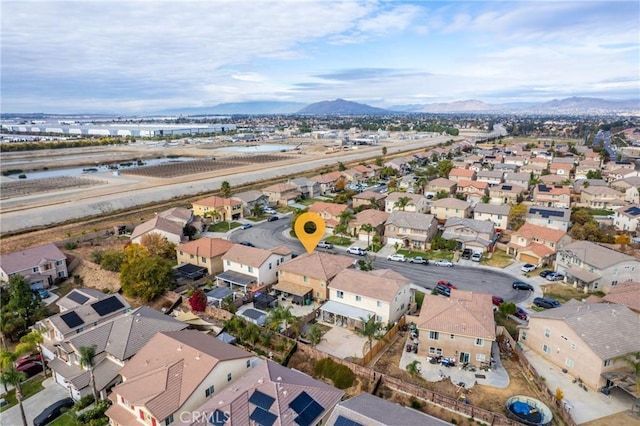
{"x": 497, "y": 300}
{"x": 30, "y": 368}
{"x": 447, "y": 284}
{"x": 28, "y": 358}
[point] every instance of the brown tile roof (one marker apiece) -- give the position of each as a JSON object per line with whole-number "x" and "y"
{"x": 206, "y": 247}
{"x": 280, "y": 187}
{"x": 461, "y": 172}
{"x": 473, "y": 183}
{"x": 328, "y": 177}
{"x": 451, "y": 202}
{"x": 319, "y": 265}
{"x": 163, "y": 375}
{"x": 367, "y": 195}
{"x": 627, "y": 293}
{"x": 215, "y": 201}
{"x": 394, "y": 196}
{"x": 441, "y": 182}
{"x": 372, "y": 217}
{"x": 381, "y": 284}
{"x": 158, "y": 223}
{"x": 530, "y": 231}
{"x": 331, "y": 208}
{"x": 464, "y": 313}
{"x": 252, "y": 256}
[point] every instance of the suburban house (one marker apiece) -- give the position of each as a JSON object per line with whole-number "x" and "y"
{"x": 41, "y": 266}
{"x": 477, "y": 235}
{"x": 375, "y": 218}
{"x": 205, "y": 252}
{"x": 472, "y": 190}
{"x": 440, "y": 185}
{"x": 630, "y": 187}
{"x": 367, "y": 409}
{"x": 552, "y": 180}
{"x": 550, "y": 217}
{"x": 410, "y": 230}
{"x": 249, "y": 199}
{"x": 552, "y": 196}
{"x": 627, "y": 218}
{"x": 594, "y": 267}
{"x": 172, "y": 373}
{"x": 620, "y": 173}
{"x": 515, "y": 160}
{"x": 460, "y": 326}
{"x": 506, "y": 193}
{"x": 445, "y": 208}
{"x": 561, "y": 169}
{"x": 518, "y": 178}
{"x": 627, "y": 294}
{"x": 582, "y": 171}
{"x": 251, "y": 268}
{"x": 328, "y": 182}
{"x": 491, "y": 177}
{"x": 353, "y": 176}
{"x": 308, "y": 188}
{"x": 535, "y": 169}
{"x": 381, "y": 295}
{"x": 458, "y": 174}
{"x": 63, "y": 325}
{"x": 282, "y": 193}
{"x": 601, "y": 197}
{"x": 78, "y": 297}
{"x": 416, "y": 203}
{"x": 115, "y": 342}
{"x": 179, "y": 214}
{"x": 585, "y": 339}
{"x": 270, "y": 394}
{"x": 307, "y": 277}
{"x": 498, "y": 214}
{"x": 536, "y": 244}
{"x": 169, "y": 229}
{"x": 218, "y": 208}
{"x": 368, "y": 171}
{"x": 368, "y": 199}
{"x": 400, "y": 164}
{"x": 330, "y": 212}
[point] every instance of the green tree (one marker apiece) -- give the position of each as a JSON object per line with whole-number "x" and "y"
{"x": 158, "y": 245}
{"x": 225, "y": 189}
{"x": 229, "y": 305}
{"x": 413, "y": 368}
{"x": 112, "y": 260}
{"x": 517, "y": 215}
{"x": 441, "y": 194}
{"x": 384, "y": 150}
{"x": 507, "y": 308}
{"x": 346, "y": 216}
{"x": 594, "y": 174}
{"x": 368, "y": 228}
{"x": 373, "y": 203}
{"x": 15, "y": 378}
{"x": 341, "y": 166}
{"x": 144, "y": 275}
{"x": 370, "y": 330}
{"x": 581, "y": 217}
{"x": 315, "y": 335}
{"x": 444, "y": 167}
{"x": 21, "y": 309}
{"x": 30, "y": 343}
{"x": 378, "y": 161}
{"x": 88, "y": 361}
{"x": 402, "y": 203}
{"x": 486, "y": 199}
{"x": 280, "y": 315}
{"x": 257, "y": 210}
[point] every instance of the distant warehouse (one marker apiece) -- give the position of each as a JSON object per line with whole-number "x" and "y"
{"x": 141, "y": 130}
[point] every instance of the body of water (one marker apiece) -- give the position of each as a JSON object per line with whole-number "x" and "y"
{"x": 256, "y": 148}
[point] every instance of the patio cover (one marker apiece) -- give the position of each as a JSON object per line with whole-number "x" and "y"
{"x": 582, "y": 274}
{"x": 292, "y": 288}
{"x": 347, "y": 311}
{"x": 625, "y": 381}
{"x": 219, "y": 293}
{"x": 237, "y": 278}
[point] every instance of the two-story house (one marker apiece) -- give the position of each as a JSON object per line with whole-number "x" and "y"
{"x": 549, "y": 217}
{"x": 309, "y": 275}
{"x": 249, "y": 199}
{"x": 460, "y": 326}
{"x": 445, "y": 208}
{"x": 533, "y": 169}
{"x": 218, "y": 208}
{"x": 491, "y": 177}
{"x": 205, "y": 251}
{"x": 595, "y": 267}
{"x": 414, "y": 202}
{"x": 630, "y": 187}
{"x": 552, "y": 196}
{"x": 115, "y": 342}
{"x": 536, "y": 244}
{"x": 251, "y": 268}
{"x": 506, "y": 193}
{"x": 41, "y": 266}
{"x": 282, "y": 194}
{"x": 368, "y": 200}
{"x": 171, "y": 230}
{"x": 381, "y": 295}
{"x": 561, "y": 169}
{"x": 601, "y": 197}
{"x": 375, "y": 218}
{"x": 518, "y": 178}
{"x": 175, "y": 372}
{"x": 308, "y": 188}
{"x": 498, "y": 214}
{"x": 477, "y": 235}
{"x": 368, "y": 171}
{"x": 410, "y": 230}
{"x": 440, "y": 185}
{"x": 627, "y": 218}
{"x": 587, "y": 340}
{"x": 328, "y": 182}
{"x": 330, "y": 212}
{"x": 458, "y": 174}
{"x": 472, "y": 190}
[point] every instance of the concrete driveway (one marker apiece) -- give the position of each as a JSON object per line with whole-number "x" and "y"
{"x": 342, "y": 342}
{"x": 51, "y": 393}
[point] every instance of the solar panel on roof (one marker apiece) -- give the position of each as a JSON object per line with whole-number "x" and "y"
{"x": 343, "y": 421}
{"x": 633, "y": 211}
{"x": 300, "y": 402}
{"x": 218, "y": 418}
{"x": 311, "y": 413}
{"x": 507, "y": 187}
{"x": 79, "y": 298}
{"x": 261, "y": 400}
{"x": 72, "y": 319}
{"x": 263, "y": 417}
{"x": 107, "y": 306}
{"x": 543, "y": 188}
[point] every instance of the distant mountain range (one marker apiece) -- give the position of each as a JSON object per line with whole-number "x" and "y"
{"x": 573, "y": 105}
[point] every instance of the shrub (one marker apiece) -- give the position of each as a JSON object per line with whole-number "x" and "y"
{"x": 95, "y": 416}
{"x": 341, "y": 375}
{"x": 84, "y": 402}
{"x": 70, "y": 245}
{"x": 96, "y": 256}
{"x": 198, "y": 300}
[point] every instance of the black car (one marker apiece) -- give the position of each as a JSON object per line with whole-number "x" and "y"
{"x": 466, "y": 254}
{"x": 52, "y": 412}
{"x": 246, "y": 243}
{"x": 272, "y": 219}
{"x": 546, "y": 302}
{"x": 519, "y": 285}
{"x": 544, "y": 273}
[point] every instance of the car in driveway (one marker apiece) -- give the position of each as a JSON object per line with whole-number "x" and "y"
{"x": 443, "y": 290}
{"x": 554, "y": 276}
{"x": 246, "y": 243}
{"x": 419, "y": 259}
{"x": 521, "y": 285}
{"x": 466, "y": 254}
{"x": 397, "y": 257}
{"x": 546, "y": 302}
{"x": 53, "y": 411}
{"x": 476, "y": 257}
{"x": 546, "y": 272}
{"x": 521, "y": 314}
{"x": 447, "y": 284}
{"x": 497, "y": 300}
{"x": 28, "y": 358}
{"x": 269, "y": 210}
{"x": 325, "y": 245}
{"x": 443, "y": 262}
{"x": 528, "y": 267}
{"x": 357, "y": 250}
{"x": 246, "y": 226}
{"x": 30, "y": 368}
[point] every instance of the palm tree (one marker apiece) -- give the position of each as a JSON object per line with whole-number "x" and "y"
{"x": 373, "y": 203}
{"x": 225, "y": 189}
{"x": 257, "y": 210}
{"x": 346, "y": 216}
{"x": 368, "y": 228}
{"x": 279, "y": 315}
{"x": 15, "y": 378}
{"x": 7, "y": 359}
{"x": 30, "y": 343}
{"x": 315, "y": 335}
{"x": 402, "y": 203}
{"x": 371, "y": 330}
{"x": 87, "y": 360}
{"x": 420, "y": 183}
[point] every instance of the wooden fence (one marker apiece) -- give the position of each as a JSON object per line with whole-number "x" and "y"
{"x": 381, "y": 344}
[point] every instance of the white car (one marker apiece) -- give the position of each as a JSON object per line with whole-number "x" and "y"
{"x": 356, "y": 250}
{"x": 397, "y": 257}
{"x": 443, "y": 262}
{"x": 528, "y": 267}
{"x": 476, "y": 257}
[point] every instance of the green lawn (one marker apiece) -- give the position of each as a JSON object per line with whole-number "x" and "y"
{"x": 338, "y": 241}
{"x": 431, "y": 255}
{"x": 257, "y": 218}
{"x": 223, "y": 226}
{"x": 67, "y": 419}
{"x": 600, "y": 212}
{"x": 499, "y": 259}
{"x": 29, "y": 388}
{"x": 308, "y": 201}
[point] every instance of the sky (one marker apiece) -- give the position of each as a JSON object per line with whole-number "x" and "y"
{"x": 140, "y": 56}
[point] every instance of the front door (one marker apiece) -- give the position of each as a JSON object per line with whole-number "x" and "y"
{"x": 464, "y": 357}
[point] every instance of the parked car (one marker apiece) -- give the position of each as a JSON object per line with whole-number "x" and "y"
{"x": 325, "y": 245}
{"x": 466, "y": 253}
{"x": 528, "y": 267}
{"x": 246, "y": 226}
{"x": 269, "y": 210}
{"x": 273, "y": 219}
{"x": 443, "y": 262}
{"x": 554, "y": 276}
{"x": 546, "y": 302}
{"x": 246, "y": 243}
{"x": 397, "y": 257}
{"x": 445, "y": 291}
{"x": 28, "y": 358}
{"x": 476, "y": 257}
{"x": 53, "y": 411}
{"x": 521, "y": 313}
{"x": 546, "y": 272}
{"x": 356, "y": 250}
{"x": 447, "y": 284}
{"x": 30, "y": 368}
{"x": 419, "y": 259}
{"x": 43, "y": 293}
{"x": 519, "y": 285}
{"x": 497, "y": 300}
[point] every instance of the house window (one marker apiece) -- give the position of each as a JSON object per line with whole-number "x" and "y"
{"x": 546, "y": 349}
{"x": 358, "y": 298}
{"x": 340, "y": 294}
{"x": 250, "y": 268}
{"x": 378, "y": 318}
{"x": 547, "y": 332}
{"x": 452, "y": 337}
{"x": 607, "y": 362}
{"x": 248, "y": 363}
{"x": 523, "y": 335}
{"x": 305, "y": 279}
{"x": 191, "y": 256}
{"x": 203, "y": 259}
{"x": 480, "y": 357}
{"x": 229, "y": 377}
{"x": 479, "y": 342}
{"x": 569, "y": 362}
{"x": 208, "y": 391}
{"x": 58, "y": 262}
{"x": 35, "y": 269}
{"x": 434, "y": 335}
{"x": 379, "y": 304}
{"x": 573, "y": 346}
{"x": 435, "y": 351}
{"x": 228, "y": 263}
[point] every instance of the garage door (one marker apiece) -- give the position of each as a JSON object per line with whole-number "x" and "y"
{"x": 527, "y": 258}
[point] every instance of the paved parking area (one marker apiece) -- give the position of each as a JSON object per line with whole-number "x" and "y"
{"x": 51, "y": 393}
{"x": 342, "y": 342}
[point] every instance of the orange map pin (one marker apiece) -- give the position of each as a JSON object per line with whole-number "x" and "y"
{"x": 304, "y": 226}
